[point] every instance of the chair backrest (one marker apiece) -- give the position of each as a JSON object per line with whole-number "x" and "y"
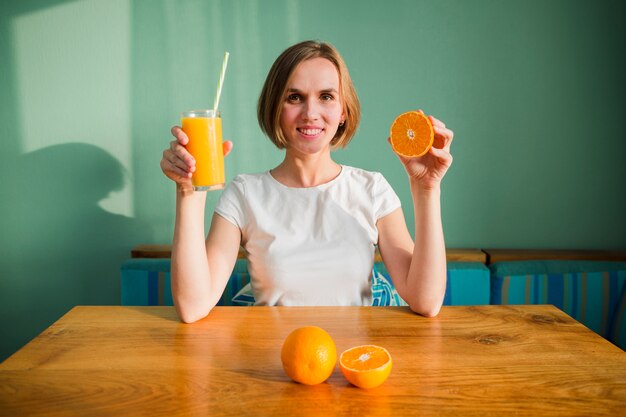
{"x": 145, "y": 279}
{"x": 586, "y": 290}
{"x": 146, "y": 282}
{"x": 618, "y": 322}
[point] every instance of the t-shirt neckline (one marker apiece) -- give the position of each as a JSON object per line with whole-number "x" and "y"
{"x": 315, "y": 187}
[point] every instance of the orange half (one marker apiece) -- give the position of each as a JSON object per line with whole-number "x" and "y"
{"x": 366, "y": 366}
{"x": 412, "y": 134}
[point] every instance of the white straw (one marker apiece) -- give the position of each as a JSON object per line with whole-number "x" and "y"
{"x": 220, "y": 83}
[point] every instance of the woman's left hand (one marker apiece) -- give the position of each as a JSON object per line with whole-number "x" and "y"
{"x": 428, "y": 170}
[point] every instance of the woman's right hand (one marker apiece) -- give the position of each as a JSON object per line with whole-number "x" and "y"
{"x": 177, "y": 163}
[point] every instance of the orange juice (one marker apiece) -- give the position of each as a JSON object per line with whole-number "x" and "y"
{"x": 204, "y": 130}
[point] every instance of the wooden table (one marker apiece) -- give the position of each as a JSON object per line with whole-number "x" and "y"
{"x": 165, "y": 251}
{"x": 141, "y": 361}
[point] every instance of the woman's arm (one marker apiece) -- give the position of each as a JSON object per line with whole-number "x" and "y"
{"x": 418, "y": 269}
{"x": 199, "y": 268}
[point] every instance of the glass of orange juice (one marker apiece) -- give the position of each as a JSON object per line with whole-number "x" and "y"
{"x": 204, "y": 130}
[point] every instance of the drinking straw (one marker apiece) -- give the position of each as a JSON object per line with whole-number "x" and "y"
{"x": 220, "y": 83}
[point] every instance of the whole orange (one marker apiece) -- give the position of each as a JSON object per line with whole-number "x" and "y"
{"x": 309, "y": 355}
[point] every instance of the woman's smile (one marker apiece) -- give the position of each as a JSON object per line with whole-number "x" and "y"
{"x": 310, "y": 132}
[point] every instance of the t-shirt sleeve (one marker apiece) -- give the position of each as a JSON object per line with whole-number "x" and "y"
{"x": 385, "y": 198}
{"x": 231, "y": 203}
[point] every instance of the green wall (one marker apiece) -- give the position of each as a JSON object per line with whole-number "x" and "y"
{"x": 534, "y": 91}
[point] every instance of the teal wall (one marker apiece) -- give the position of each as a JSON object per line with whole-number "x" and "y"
{"x": 533, "y": 89}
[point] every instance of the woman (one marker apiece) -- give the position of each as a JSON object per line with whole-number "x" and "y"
{"x": 309, "y": 225}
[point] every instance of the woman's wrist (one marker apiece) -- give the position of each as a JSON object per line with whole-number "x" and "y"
{"x": 185, "y": 190}
{"x": 187, "y": 197}
{"x": 422, "y": 190}
{"x": 190, "y": 207}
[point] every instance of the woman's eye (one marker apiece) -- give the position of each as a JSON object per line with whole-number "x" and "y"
{"x": 327, "y": 97}
{"x": 293, "y": 98}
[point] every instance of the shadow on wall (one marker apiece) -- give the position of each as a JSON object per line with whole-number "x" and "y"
{"x": 63, "y": 249}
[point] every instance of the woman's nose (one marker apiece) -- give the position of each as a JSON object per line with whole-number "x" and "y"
{"x": 311, "y": 110}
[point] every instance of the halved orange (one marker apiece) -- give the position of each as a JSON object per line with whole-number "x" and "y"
{"x": 365, "y": 366}
{"x": 412, "y": 134}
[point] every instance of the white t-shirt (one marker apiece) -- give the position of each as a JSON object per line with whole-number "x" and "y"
{"x": 309, "y": 246}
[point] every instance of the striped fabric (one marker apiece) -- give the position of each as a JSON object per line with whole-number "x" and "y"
{"x": 586, "y": 290}
{"x": 146, "y": 282}
{"x": 238, "y": 280}
{"x": 618, "y": 322}
{"x": 467, "y": 283}
{"x": 383, "y": 291}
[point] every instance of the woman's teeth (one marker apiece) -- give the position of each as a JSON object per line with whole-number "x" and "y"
{"x": 310, "y": 132}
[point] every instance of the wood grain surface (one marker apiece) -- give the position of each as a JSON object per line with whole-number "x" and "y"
{"x": 512, "y": 255}
{"x": 165, "y": 251}
{"x": 486, "y": 360}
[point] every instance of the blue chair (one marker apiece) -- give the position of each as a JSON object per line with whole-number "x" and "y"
{"x": 467, "y": 284}
{"x": 146, "y": 282}
{"x": 618, "y": 322}
{"x": 588, "y": 291}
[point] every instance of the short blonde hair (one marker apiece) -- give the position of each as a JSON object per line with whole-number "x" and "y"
{"x": 270, "y": 104}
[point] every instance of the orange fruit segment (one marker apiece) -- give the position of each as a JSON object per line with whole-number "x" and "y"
{"x": 309, "y": 355}
{"x": 366, "y": 366}
{"x": 411, "y": 134}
